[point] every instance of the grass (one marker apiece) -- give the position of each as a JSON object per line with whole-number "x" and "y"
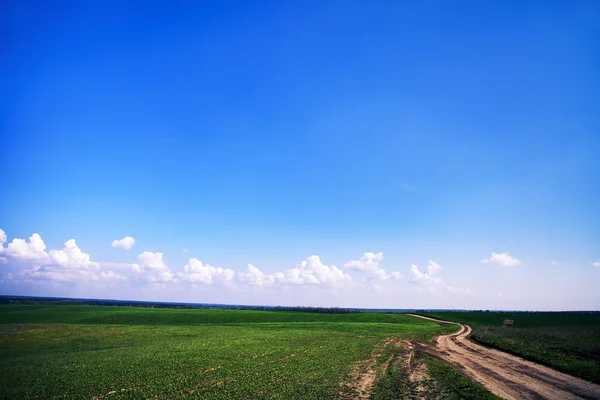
{"x": 569, "y": 342}
{"x": 130, "y": 352}
{"x": 393, "y": 380}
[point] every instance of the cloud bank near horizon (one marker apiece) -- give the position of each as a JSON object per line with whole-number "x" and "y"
{"x": 72, "y": 264}
{"x": 28, "y": 263}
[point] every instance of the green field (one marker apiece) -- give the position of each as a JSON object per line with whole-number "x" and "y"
{"x": 131, "y": 352}
{"x": 569, "y": 342}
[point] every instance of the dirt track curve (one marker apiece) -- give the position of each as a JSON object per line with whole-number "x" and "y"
{"x": 503, "y": 374}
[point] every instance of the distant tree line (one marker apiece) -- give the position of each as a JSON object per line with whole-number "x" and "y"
{"x": 151, "y": 304}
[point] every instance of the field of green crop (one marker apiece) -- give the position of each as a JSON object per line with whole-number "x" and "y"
{"x": 569, "y": 342}
{"x": 98, "y": 352}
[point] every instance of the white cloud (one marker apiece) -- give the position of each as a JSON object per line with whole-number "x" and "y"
{"x": 72, "y": 256}
{"x": 313, "y": 272}
{"x": 395, "y": 275}
{"x": 426, "y": 277}
{"x": 503, "y": 259}
{"x": 433, "y": 268}
{"x": 596, "y": 264}
{"x": 196, "y": 272}
{"x": 380, "y": 274}
{"x": 126, "y": 243}
{"x": 2, "y": 237}
{"x": 152, "y": 268}
{"x": 554, "y": 262}
{"x": 68, "y": 264}
{"x": 30, "y": 250}
{"x": 254, "y": 276}
{"x": 368, "y": 262}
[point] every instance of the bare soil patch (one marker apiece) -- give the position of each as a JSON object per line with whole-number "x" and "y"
{"x": 416, "y": 380}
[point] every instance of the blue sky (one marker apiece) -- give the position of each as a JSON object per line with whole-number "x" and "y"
{"x": 263, "y": 133}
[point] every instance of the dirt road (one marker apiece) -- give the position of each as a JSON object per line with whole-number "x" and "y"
{"x": 505, "y": 375}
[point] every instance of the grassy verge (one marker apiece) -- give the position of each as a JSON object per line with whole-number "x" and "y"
{"x": 393, "y": 380}
{"x": 453, "y": 384}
